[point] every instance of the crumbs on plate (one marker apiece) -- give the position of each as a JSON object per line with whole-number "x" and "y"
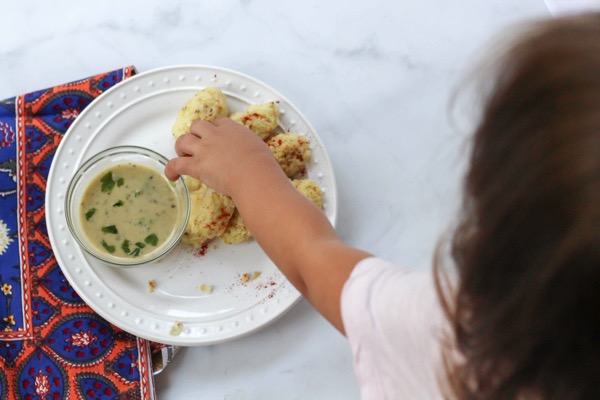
{"x": 250, "y": 276}
{"x": 177, "y": 328}
{"x": 151, "y": 286}
{"x": 204, "y": 288}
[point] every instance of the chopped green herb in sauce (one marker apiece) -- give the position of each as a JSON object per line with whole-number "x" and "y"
{"x": 151, "y": 239}
{"x": 118, "y": 204}
{"x": 138, "y": 247}
{"x": 110, "y": 229}
{"x": 107, "y": 183}
{"x": 125, "y": 246}
{"x": 135, "y": 252}
{"x": 109, "y": 248}
{"x": 90, "y": 213}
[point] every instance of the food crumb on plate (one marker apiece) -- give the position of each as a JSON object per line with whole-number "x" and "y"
{"x": 151, "y": 286}
{"x": 250, "y": 276}
{"x": 204, "y": 288}
{"x": 255, "y": 275}
{"x": 176, "y": 329}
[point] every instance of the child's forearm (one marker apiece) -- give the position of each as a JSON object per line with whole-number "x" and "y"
{"x": 298, "y": 237}
{"x": 285, "y": 224}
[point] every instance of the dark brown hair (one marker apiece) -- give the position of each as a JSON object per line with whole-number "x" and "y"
{"x": 525, "y": 310}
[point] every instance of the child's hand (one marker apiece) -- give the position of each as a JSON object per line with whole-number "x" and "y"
{"x": 220, "y": 153}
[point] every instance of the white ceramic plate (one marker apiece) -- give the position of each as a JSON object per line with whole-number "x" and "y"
{"x": 140, "y": 111}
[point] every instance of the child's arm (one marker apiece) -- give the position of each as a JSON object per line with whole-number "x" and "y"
{"x": 292, "y": 231}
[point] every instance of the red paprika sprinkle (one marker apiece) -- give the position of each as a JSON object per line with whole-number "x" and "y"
{"x": 202, "y": 250}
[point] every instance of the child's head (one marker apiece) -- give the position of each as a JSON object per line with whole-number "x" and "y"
{"x": 526, "y": 309}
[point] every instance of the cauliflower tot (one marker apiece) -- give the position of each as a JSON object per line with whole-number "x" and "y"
{"x": 309, "y": 189}
{"x": 236, "y": 231}
{"x": 291, "y": 151}
{"x": 206, "y": 105}
{"x": 209, "y": 216}
{"x": 193, "y": 184}
{"x": 261, "y": 119}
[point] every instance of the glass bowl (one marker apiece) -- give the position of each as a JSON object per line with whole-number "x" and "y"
{"x": 101, "y": 207}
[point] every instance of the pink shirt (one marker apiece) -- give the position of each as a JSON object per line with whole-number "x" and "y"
{"x": 393, "y": 321}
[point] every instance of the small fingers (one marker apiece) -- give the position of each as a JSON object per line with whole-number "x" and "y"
{"x": 179, "y": 166}
{"x": 200, "y": 128}
{"x": 220, "y": 121}
{"x": 186, "y": 145}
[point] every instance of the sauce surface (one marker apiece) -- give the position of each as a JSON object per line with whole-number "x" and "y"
{"x": 129, "y": 210}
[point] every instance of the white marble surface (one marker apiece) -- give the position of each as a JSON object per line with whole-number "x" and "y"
{"x": 558, "y": 7}
{"x": 374, "y": 78}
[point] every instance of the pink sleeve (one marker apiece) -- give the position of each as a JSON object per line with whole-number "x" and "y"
{"x": 393, "y": 321}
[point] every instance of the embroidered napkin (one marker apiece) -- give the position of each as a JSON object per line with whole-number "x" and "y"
{"x": 52, "y": 345}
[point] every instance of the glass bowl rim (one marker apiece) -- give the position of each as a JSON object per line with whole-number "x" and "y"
{"x": 103, "y": 155}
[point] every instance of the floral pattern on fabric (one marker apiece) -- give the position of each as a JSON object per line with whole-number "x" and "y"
{"x": 52, "y": 345}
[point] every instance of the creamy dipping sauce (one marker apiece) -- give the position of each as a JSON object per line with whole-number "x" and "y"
{"x": 129, "y": 210}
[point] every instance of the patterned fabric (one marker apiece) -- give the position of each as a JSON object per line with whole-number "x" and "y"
{"x": 52, "y": 345}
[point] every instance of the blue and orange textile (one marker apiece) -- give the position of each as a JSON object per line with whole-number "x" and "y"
{"x": 53, "y": 345}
